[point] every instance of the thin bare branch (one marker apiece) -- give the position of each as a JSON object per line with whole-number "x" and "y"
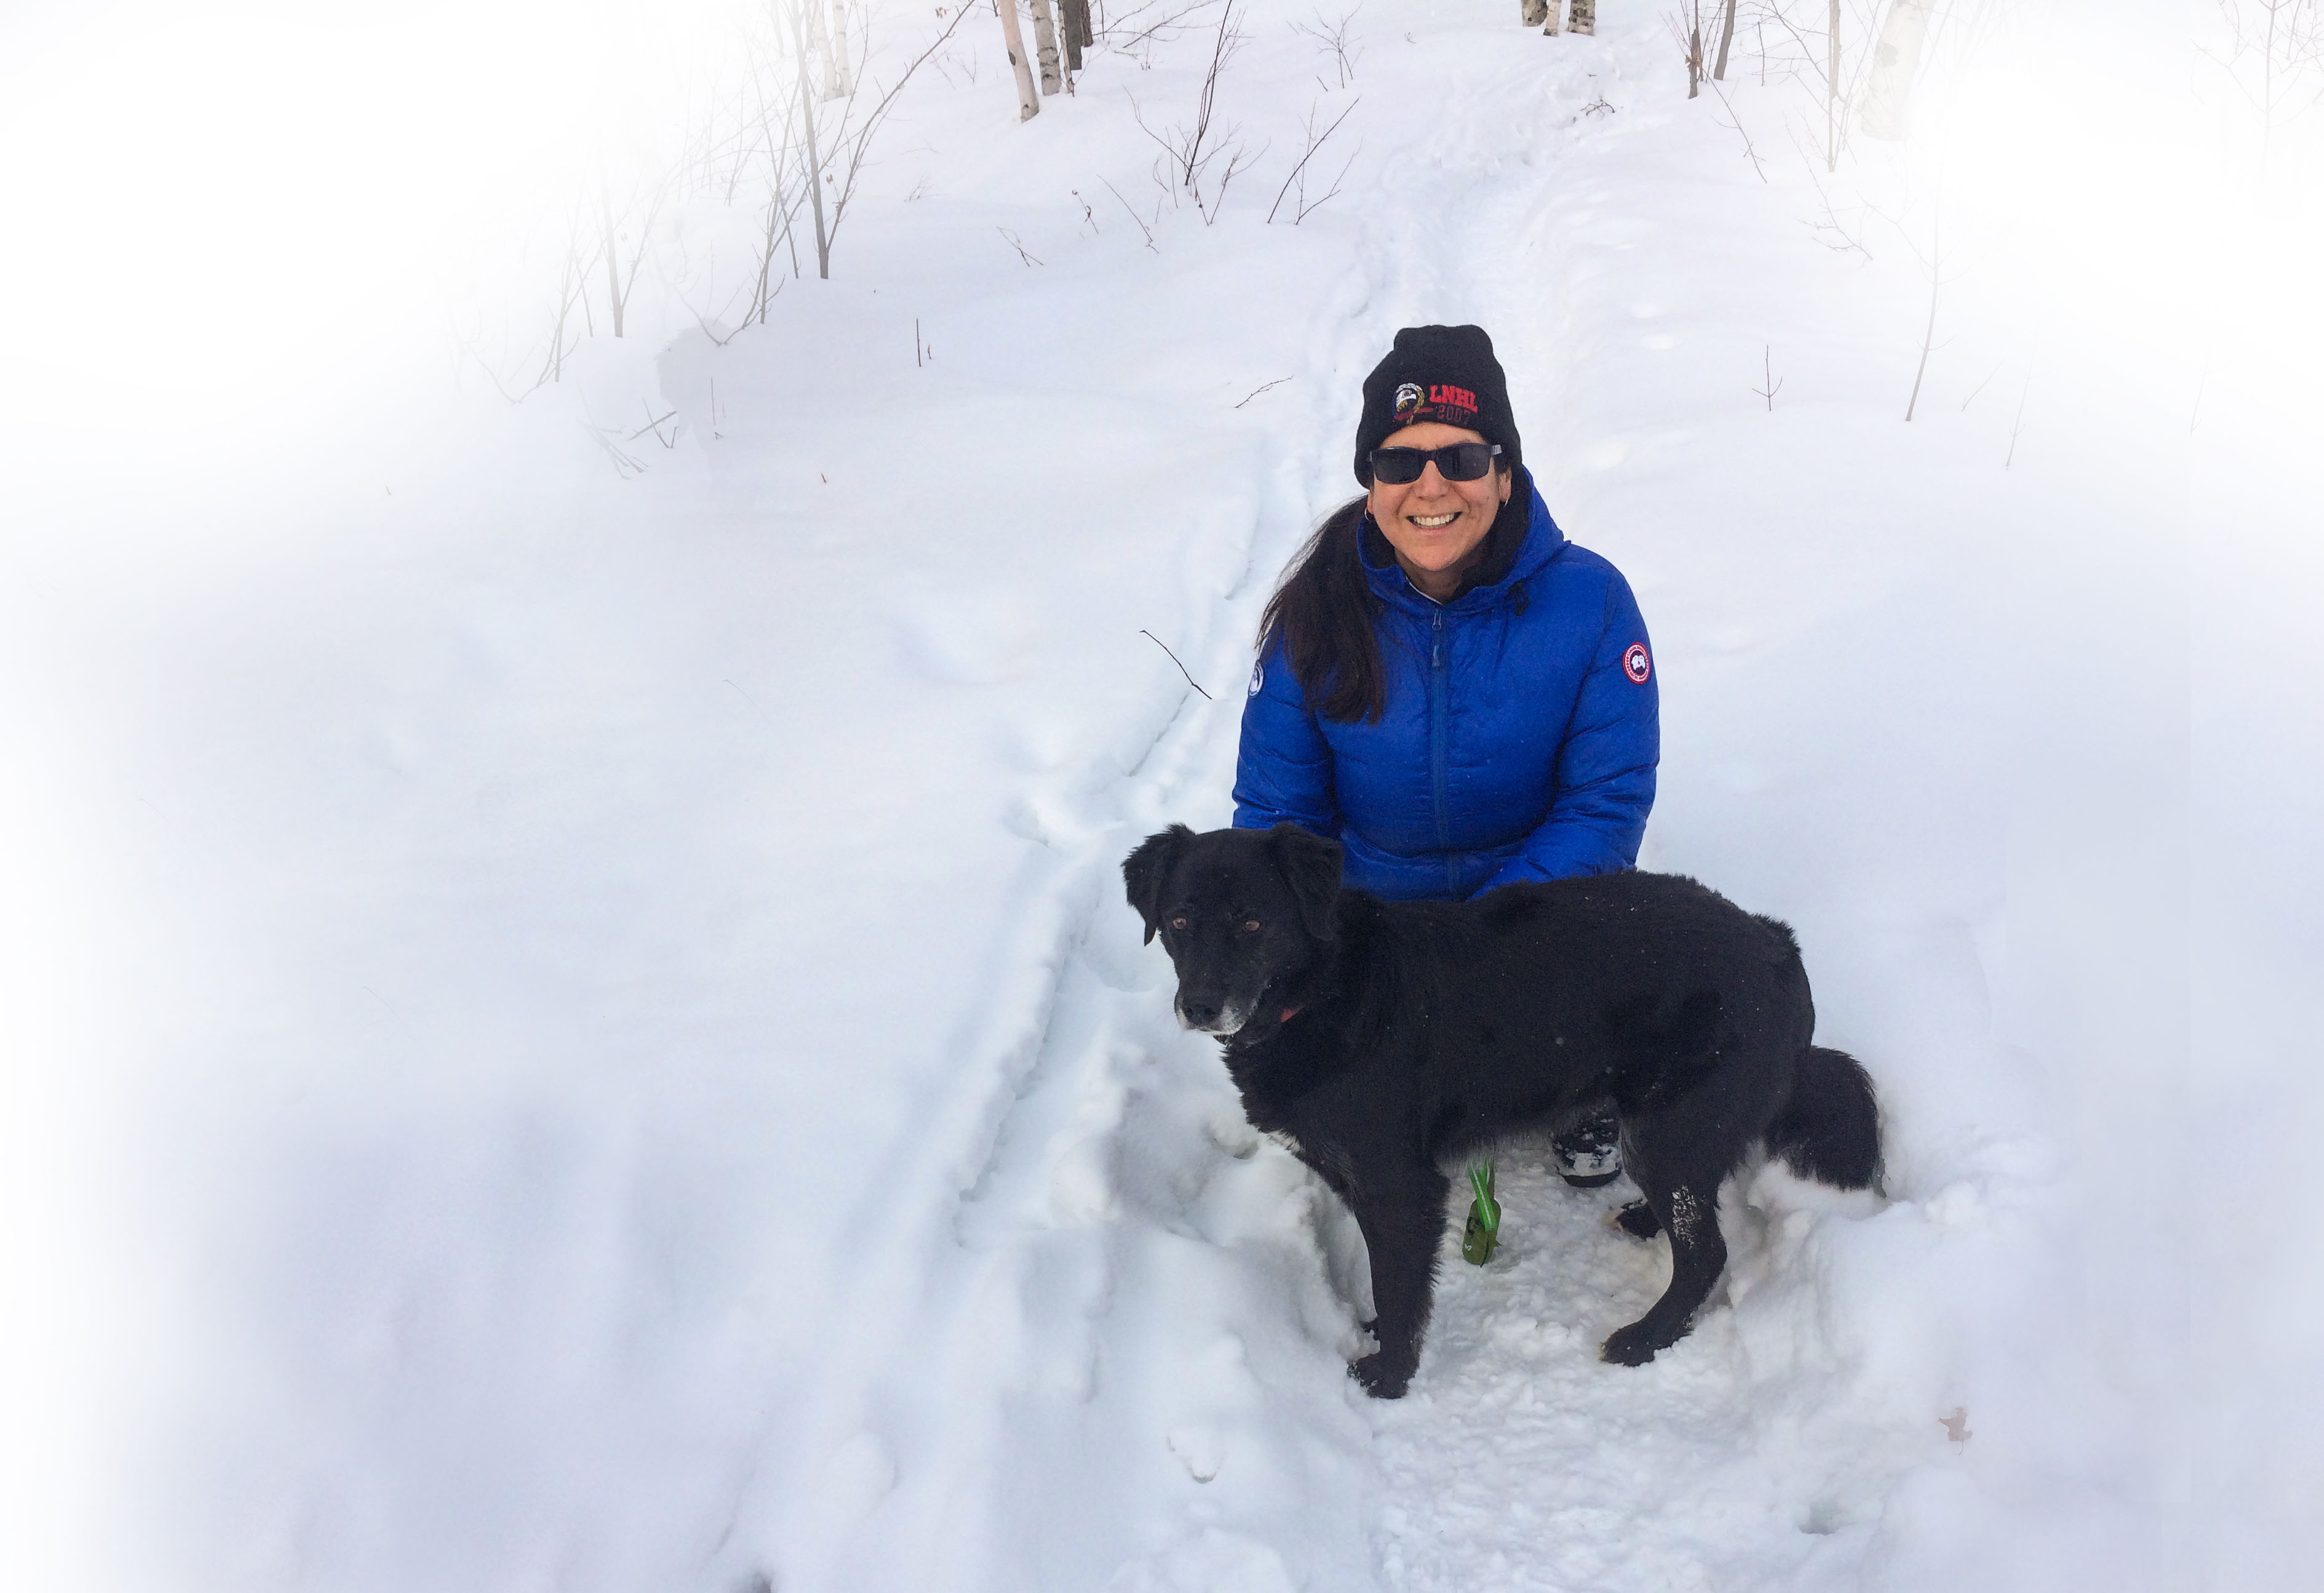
{"x": 1158, "y": 641}
{"x": 1314, "y": 143}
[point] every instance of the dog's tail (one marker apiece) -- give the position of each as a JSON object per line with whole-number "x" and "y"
{"x": 1830, "y": 1130}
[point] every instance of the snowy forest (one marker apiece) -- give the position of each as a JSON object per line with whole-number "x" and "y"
{"x": 591, "y": 600}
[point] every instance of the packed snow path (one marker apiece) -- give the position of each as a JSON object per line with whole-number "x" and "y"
{"x": 1157, "y": 1294}
{"x": 642, "y": 1074}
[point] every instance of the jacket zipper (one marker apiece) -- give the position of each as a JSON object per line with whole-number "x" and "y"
{"x": 1439, "y": 735}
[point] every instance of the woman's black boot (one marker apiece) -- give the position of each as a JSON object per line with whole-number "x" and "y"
{"x": 1589, "y": 1155}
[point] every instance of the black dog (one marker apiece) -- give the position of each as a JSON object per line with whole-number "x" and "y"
{"x": 1389, "y": 1039}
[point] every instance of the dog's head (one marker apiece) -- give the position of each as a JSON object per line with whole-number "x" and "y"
{"x": 1238, "y": 910}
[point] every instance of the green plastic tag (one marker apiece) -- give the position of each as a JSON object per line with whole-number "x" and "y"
{"x": 1483, "y": 1229}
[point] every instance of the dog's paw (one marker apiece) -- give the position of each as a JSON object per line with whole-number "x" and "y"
{"x": 1638, "y": 1219}
{"x": 1381, "y": 1379}
{"x": 1630, "y": 1347}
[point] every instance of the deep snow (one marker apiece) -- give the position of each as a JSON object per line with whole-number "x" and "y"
{"x": 575, "y": 1028}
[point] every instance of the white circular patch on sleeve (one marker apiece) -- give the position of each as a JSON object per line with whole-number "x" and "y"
{"x": 1636, "y": 665}
{"x": 1258, "y": 676}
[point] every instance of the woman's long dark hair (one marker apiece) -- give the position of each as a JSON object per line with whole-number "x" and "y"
{"x": 1323, "y": 613}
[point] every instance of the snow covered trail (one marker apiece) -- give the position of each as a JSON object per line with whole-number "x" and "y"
{"x": 1799, "y": 1439}
{"x": 1145, "y": 1302}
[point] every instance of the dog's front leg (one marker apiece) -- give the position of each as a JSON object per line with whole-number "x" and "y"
{"x": 1403, "y": 1228}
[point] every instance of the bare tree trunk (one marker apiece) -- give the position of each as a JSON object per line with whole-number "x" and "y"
{"x": 1534, "y": 12}
{"x": 1694, "y": 49}
{"x": 1028, "y": 103}
{"x": 818, "y": 42}
{"x": 1887, "y": 108}
{"x": 1584, "y": 18}
{"x": 835, "y": 80}
{"x": 1726, "y": 37}
{"x": 1045, "y": 39}
{"x": 612, "y": 265}
{"x": 1077, "y": 31}
{"x": 799, "y": 18}
{"x": 1831, "y": 98}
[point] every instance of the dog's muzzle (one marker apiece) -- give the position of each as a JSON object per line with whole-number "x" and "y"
{"x": 1206, "y": 1018}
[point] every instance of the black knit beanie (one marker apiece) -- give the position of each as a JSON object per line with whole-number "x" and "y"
{"x": 1442, "y": 374}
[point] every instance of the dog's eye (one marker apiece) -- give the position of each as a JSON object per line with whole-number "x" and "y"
{"x": 1178, "y": 922}
{"x": 1250, "y": 926}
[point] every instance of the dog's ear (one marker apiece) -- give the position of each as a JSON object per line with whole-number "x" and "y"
{"x": 1311, "y": 865}
{"x": 1147, "y": 870}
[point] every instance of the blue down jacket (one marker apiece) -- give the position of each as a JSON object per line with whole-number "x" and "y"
{"x": 1518, "y": 742}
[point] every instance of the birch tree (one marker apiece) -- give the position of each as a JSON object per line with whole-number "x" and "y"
{"x": 835, "y": 82}
{"x": 1831, "y": 98}
{"x": 1885, "y": 110}
{"x": 1028, "y": 103}
{"x": 1045, "y": 39}
{"x": 1583, "y": 19}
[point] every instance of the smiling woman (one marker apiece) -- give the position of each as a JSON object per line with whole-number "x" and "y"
{"x": 1435, "y": 493}
{"x": 1446, "y": 686}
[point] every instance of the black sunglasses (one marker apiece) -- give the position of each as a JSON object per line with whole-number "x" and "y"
{"x": 1463, "y": 461}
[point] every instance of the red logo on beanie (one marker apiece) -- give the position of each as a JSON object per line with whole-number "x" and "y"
{"x": 1439, "y": 401}
{"x": 1636, "y": 665}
